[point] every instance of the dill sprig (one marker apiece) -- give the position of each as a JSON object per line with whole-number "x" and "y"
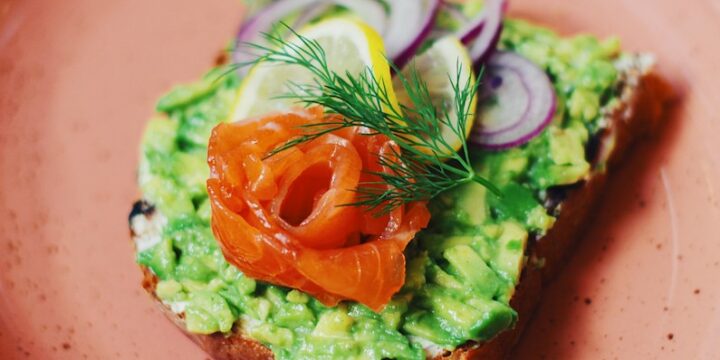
{"x": 424, "y": 163}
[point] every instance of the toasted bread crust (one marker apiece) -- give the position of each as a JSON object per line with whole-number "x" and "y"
{"x": 641, "y": 104}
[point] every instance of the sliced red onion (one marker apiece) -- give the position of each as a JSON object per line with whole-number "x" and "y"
{"x": 470, "y": 28}
{"x": 251, "y": 31}
{"x": 262, "y": 22}
{"x": 310, "y": 13}
{"x": 482, "y": 33}
{"x": 467, "y": 35}
{"x": 409, "y": 26}
{"x": 517, "y": 101}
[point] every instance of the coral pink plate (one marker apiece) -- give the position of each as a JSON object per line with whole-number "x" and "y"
{"x": 78, "y": 79}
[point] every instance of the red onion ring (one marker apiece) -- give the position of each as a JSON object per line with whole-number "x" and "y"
{"x": 520, "y": 100}
{"x": 404, "y": 29}
{"x": 262, "y": 22}
{"x": 409, "y": 26}
{"x": 482, "y": 33}
{"x": 252, "y": 30}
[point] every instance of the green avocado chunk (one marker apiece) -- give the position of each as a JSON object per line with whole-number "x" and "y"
{"x": 461, "y": 271}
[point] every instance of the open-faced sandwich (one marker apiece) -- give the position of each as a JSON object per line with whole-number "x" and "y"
{"x": 380, "y": 179}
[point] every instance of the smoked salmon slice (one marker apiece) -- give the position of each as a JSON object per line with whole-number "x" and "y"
{"x": 284, "y": 218}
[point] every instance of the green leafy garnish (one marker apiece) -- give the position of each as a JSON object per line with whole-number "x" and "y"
{"x": 424, "y": 164}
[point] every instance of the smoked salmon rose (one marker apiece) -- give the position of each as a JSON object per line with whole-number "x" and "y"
{"x": 285, "y": 219}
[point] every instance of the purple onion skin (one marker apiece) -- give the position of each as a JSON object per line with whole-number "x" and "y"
{"x": 404, "y": 57}
{"x": 544, "y": 94}
{"x": 524, "y": 139}
{"x": 240, "y": 40}
{"x": 481, "y": 21}
{"x": 249, "y": 30}
{"x": 472, "y": 34}
{"x": 491, "y": 21}
{"x": 491, "y": 49}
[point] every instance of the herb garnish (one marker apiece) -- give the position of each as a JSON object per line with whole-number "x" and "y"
{"x": 424, "y": 163}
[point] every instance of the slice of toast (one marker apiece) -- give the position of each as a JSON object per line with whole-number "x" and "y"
{"x": 642, "y": 96}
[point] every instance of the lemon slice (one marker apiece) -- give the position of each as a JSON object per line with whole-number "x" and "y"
{"x": 438, "y": 68}
{"x": 350, "y": 47}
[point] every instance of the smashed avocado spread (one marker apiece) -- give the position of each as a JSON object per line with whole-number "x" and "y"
{"x": 461, "y": 271}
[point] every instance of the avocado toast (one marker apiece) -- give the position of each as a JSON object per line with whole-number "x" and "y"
{"x": 473, "y": 275}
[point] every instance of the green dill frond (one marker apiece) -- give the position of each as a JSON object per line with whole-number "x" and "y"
{"x": 424, "y": 164}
